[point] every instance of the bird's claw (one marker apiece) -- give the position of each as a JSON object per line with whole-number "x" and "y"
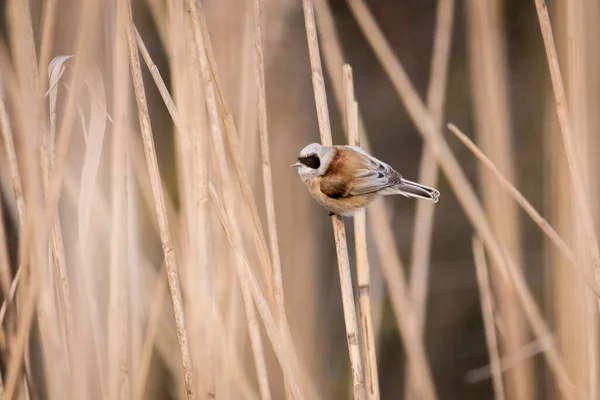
{"x": 330, "y": 214}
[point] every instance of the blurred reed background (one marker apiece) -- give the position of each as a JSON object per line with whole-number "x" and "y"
{"x": 155, "y": 243}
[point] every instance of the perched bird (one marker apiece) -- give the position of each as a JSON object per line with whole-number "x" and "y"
{"x": 344, "y": 179}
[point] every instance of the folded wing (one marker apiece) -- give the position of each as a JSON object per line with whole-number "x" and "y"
{"x": 353, "y": 172}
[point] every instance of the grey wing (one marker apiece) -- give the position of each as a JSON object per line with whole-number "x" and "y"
{"x": 375, "y": 176}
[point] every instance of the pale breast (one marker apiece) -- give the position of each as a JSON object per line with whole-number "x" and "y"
{"x": 345, "y": 206}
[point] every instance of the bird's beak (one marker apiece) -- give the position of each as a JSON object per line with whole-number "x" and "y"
{"x": 296, "y": 165}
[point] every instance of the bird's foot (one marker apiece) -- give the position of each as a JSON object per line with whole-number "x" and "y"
{"x": 331, "y": 214}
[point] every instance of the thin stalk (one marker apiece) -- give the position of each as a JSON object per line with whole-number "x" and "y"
{"x": 6, "y": 335}
{"x": 58, "y": 261}
{"x": 363, "y": 269}
{"x": 117, "y": 342}
{"x": 334, "y": 62}
{"x": 564, "y": 119}
{"x": 489, "y": 83}
{"x": 22, "y": 336}
{"x": 11, "y": 157}
{"x": 259, "y": 77}
{"x": 338, "y": 224}
{"x": 9, "y": 296}
{"x": 159, "y": 202}
{"x": 199, "y": 250}
{"x": 582, "y": 354}
{"x": 487, "y": 311}
{"x": 5, "y": 273}
{"x": 231, "y": 360}
{"x": 205, "y": 322}
{"x": 428, "y": 173}
{"x": 160, "y": 84}
{"x": 151, "y": 329}
{"x": 399, "y": 295}
{"x": 529, "y": 350}
{"x": 9, "y": 147}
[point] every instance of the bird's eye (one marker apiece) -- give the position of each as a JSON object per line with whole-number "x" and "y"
{"x": 311, "y": 161}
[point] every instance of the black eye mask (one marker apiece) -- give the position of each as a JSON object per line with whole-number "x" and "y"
{"x": 311, "y": 161}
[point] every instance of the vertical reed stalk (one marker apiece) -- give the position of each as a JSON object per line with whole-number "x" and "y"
{"x": 363, "y": 269}
{"x": 379, "y": 223}
{"x": 338, "y": 224}
{"x": 492, "y": 119}
{"x": 581, "y": 78}
{"x": 11, "y": 156}
{"x": 259, "y": 77}
{"x": 158, "y": 298}
{"x": 9, "y": 147}
{"x": 5, "y": 273}
{"x": 6, "y": 335}
{"x": 165, "y": 235}
{"x": 487, "y": 312}
{"x": 334, "y": 62}
{"x": 564, "y": 119}
{"x": 204, "y": 320}
{"x": 117, "y": 316}
{"x": 428, "y": 173}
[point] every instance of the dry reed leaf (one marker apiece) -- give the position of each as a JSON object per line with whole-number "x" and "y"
{"x": 56, "y": 70}
{"x": 95, "y": 137}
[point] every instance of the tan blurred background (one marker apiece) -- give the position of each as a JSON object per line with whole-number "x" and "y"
{"x": 498, "y": 93}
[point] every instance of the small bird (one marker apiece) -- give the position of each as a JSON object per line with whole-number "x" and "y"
{"x": 344, "y": 179}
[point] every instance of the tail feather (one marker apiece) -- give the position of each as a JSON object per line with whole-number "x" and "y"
{"x": 416, "y": 190}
